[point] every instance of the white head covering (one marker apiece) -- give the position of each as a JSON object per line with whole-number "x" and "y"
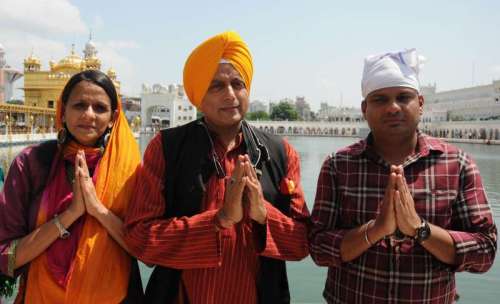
{"x": 391, "y": 70}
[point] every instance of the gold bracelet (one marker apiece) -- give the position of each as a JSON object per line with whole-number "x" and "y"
{"x": 366, "y": 233}
{"x": 11, "y": 257}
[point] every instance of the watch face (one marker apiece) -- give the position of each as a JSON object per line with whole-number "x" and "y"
{"x": 424, "y": 231}
{"x": 424, "y": 234}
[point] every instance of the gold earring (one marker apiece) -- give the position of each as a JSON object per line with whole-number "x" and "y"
{"x": 62, "y": 136}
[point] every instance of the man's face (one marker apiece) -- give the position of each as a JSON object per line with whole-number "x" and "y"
{"x": 393, "y": 111}
{"x": 226, "y": 101}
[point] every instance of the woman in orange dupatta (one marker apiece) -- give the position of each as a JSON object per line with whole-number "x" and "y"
{"x": 76, "y": 252}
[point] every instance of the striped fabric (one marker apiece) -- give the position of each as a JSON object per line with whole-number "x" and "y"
{"x": 448, "y": 192}
{"x": 218, "y": 267}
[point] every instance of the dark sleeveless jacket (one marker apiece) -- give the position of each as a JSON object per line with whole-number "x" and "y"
{"x": 191, "y": 161}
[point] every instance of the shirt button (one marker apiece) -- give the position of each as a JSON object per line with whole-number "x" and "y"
{"x": 391, "y": 291}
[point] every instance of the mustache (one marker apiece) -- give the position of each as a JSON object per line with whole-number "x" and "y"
{"x": 390, "y": 116}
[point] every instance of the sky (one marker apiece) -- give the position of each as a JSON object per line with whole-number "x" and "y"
{"x": 300, "y": 48}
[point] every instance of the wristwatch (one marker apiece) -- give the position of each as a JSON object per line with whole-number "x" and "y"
{"x": 63, "y": 233}
{"x": 423, "y": 232}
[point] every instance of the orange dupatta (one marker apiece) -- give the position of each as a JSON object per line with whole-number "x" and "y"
{"x": 101, "y": 268}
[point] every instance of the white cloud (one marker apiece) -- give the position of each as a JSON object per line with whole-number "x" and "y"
{"x": 41, "y": 16}
{"x": 18, "y": 47}
{"x": 48, "y": 27}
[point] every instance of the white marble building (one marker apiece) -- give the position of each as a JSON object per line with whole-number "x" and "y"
{"x": 474, "y": 103}
{"x": 8, "y": 76}
{"x": 313, "y": 128}
{"x": 258, "y": 106}
{"x": 165, "y": 107}
{"x": 332, "y": 113}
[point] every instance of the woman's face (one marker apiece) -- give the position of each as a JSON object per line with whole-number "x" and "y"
{"x": 88, "y": 113}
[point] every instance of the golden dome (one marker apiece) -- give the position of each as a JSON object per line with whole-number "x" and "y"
{"x": 32, "y": 60}
{"x": 112, "y": 73}
{"x": 72, "y": 61}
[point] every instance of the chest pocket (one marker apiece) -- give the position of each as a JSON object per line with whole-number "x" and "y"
{"x": 435, "y": 205}
{"x": 434, "y": 192}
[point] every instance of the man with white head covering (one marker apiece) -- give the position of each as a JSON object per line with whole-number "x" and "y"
{"x": 391, "y": 70}
{"x": 220, "y": 206}
{"x": 398, "y": 213}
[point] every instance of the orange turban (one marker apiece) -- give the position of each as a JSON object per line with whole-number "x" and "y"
{"x": 203, "y": 62}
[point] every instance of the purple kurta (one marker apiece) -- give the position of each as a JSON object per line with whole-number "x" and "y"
{"x": 19, "y": 202}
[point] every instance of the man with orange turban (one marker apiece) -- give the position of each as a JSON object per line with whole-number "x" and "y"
{"x": 220, "y": 207}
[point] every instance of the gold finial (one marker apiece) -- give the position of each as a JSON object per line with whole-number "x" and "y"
{"x": 112, "y": 73}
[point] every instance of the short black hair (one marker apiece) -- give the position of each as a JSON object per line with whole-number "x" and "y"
{"x": 96, "y": 77}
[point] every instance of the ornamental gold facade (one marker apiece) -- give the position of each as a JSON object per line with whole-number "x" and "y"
{"x": 42, "y": 89}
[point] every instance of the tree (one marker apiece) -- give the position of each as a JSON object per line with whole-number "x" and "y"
{"x": 284, "y": 111}
{"x": 259, "y": 115}
{"x": 314, "y": 116}
{"x": 15, "y": 101}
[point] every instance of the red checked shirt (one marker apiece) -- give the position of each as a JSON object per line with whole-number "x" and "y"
{"x": 218, "y": 266}
{"x": 447, "y": 191}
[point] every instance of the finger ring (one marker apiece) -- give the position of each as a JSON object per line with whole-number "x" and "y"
{"x": 232, "y": 180}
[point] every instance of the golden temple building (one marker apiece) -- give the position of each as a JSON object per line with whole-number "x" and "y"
{"x": 42, "y": 89}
